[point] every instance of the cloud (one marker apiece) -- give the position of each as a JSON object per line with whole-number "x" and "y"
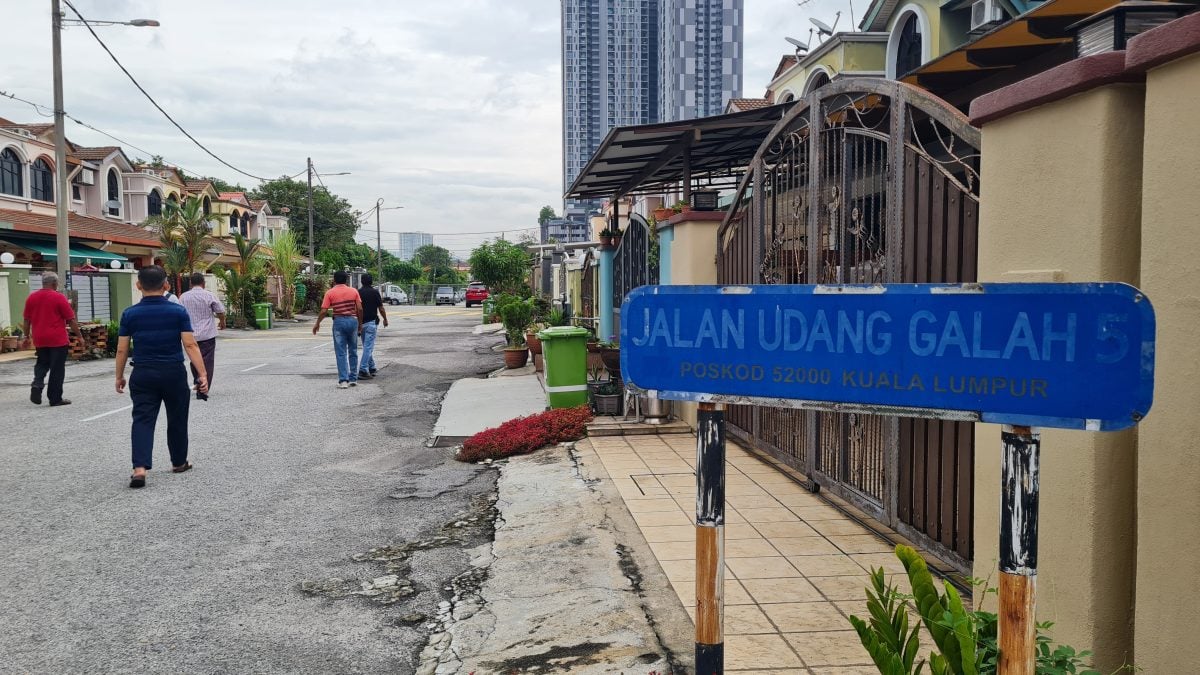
{"x": 450, "y": 108}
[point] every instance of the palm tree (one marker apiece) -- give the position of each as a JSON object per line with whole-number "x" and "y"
{"x": 245, "y": 281}
{"x": 184, "y": 234}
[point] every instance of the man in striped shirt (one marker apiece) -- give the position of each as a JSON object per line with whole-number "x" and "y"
{"x": 346, "y": 306}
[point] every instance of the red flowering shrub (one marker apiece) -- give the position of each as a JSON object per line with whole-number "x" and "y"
{"x": 526, "y": 434}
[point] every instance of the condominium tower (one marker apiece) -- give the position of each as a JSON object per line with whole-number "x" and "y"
{"x": 640, "y": 61}
{"x": 411, "y": 241}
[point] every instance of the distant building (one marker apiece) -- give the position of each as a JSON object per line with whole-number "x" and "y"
{"x": 411, "y": 241}
{"x": 700, "y": 57}
{"x": 565, "y": 231}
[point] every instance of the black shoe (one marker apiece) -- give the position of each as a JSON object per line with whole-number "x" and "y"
{"x": 373, "y": 371}
{"x": 201, "y": 396}
{"x": 35, "y": 395}
{"x": 136, "y": 482}
{"x": 364, "y": 375}
{"x": 65, "y": 401}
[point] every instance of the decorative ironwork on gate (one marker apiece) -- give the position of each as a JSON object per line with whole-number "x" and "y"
{"x": 631, "y": 261}
{"x": 587, "y": 290}
{"x": 866, "y": 181}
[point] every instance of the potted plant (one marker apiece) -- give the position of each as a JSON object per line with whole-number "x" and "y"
{"x": 610, "y": 355}
{"x": 681, "y": 207}
{"x": 606, "y": 237}
{"x": 517, "y": 316}
{"x": 607, "y": 398}
{"x": 616, "y": 238}
{"x": 532, "y": 340}
{"x": 593, "y": 343}
{"x": 663, "y": 214}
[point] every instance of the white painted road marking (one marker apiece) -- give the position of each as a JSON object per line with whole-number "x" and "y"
{"x": 253, "y": 368}
{"x": 110, "y": 412}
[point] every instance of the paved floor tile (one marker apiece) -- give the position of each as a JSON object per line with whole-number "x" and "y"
{"x": 827, "y": 566}
{"x": 888, "y": 561}
{"x": 814, "y": 545}
{"x": 747, "y": 620}
{"x": 669, "y": 533}
{"x": 794, "y": 617}
{"x": 735, "y": 593}
{"x": 833, "y": 648}
{"x": 777, "y": 514}
{"x": 740, "y": 531}
{"x": 749, "y": 548}
{"x": 674, "y": 550}
{"x": 842, "y": 588}
{"x": 762, "y": 568}
{"x": 817, "y": 512}
{"x": 659, "y": 518}
{"x": 684, "y": 570}
{"x": 759, "y": 651}
{"x": 794, "y": 589}
{"x": 861, "y": 543}
{"x": 649, "y": 505}
{"x": 752, "y": 502}
{"x": 838, "y": 527}
{"x": 786, "y": 530}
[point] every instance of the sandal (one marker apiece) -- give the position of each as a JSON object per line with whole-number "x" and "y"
{"x": 187, "y": 466}
{"x": 137, "y": 481}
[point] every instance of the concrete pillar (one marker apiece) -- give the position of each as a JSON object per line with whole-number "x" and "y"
{"x": 1168, "y": 474}
{"x": 666, "y": 233}
{"x": 604, "y": 296}
{"x": 1060, "y": 201}
{"x": 121, "y": 291}
{"x": 18, "y": 289}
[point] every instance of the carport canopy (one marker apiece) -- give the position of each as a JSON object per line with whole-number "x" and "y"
{"x": 655, "y": 157}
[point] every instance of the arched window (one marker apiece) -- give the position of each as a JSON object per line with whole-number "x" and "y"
{"x": 233, "y": 221}
{"x": 788, "y": 98}
{"x": 818, "y": 79}
{"x": 154, "y": 203}
{"x": 114, "y": 193}
{"x": 910, "y": 51}
{"x": 41, "y": 180}
{"x": 207, "y": 207}
{"x": 246, "y": 224}
{"x": 10, "y": 174}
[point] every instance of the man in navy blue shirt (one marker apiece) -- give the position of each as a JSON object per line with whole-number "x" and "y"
{"x": 161, "y": 332}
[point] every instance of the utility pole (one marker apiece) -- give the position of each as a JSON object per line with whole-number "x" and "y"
{"x": 62, "y": 202}
{"x": 379, "y": 238}
{"x": 312, "y": 260}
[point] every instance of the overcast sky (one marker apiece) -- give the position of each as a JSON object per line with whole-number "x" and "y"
{"x": 450, "y": 108}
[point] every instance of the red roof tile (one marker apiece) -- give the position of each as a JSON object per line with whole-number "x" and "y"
{"x": 95, "y": 154}
{"x": 80, "y": 227}
{"x": 785, "y": 63}
{"x": 744, "y": 104}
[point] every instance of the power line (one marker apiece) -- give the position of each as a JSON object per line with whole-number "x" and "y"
{"x": 151, "y": 98}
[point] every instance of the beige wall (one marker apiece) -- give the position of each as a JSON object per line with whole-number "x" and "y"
{"x": 1061, "y": 197}
{"x": 1168, "y": 471}
{"x": 693, "y": 262}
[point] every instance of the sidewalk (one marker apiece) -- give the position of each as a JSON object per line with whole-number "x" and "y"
{"x": 796, "y": 567}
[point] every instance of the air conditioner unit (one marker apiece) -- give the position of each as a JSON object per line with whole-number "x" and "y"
{"x": 985, "y": 14}
{"x": 86, "y": 177}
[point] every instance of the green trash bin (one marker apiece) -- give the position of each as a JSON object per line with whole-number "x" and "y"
{"x": 262, "y": 315}
{"x": 564, "y": 351}
{"x": 489, "y": 308}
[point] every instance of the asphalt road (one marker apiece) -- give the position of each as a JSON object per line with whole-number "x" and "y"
{"x": 205, "y": 572}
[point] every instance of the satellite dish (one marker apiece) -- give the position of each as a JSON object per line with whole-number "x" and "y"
{"x": 800, "y": 46}
{"x": 822, "y": 27}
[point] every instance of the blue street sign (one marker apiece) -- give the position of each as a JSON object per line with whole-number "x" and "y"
{"x": 1075, "y": 356}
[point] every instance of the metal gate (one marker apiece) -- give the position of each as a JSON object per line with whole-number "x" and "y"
{"x": 631, "y": 263}
{"x": 93, "y": 297}
{"x": 866, "y": 181}
{"x": 587, "y": 289}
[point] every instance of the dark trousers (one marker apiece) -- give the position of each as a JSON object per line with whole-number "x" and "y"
{"x": 208, "y": 351}
{"x": 152, "y": 386}
{"x": 52, "y": 360}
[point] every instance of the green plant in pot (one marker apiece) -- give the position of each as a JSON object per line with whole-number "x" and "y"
{"x": 610, "y": 354}
{"x": 606, "y": 398}
{"x": 517, "y": 316}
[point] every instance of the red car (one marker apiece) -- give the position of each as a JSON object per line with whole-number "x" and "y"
{"x": 476, "y": 294}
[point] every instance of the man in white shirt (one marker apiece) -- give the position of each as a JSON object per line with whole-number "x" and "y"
{"x": 207, "y": 313}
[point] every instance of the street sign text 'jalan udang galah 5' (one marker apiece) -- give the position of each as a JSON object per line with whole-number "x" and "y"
{"x": 1078, "y": 356}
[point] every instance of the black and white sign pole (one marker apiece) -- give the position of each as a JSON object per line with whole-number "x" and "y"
{"x": 1019, "y": 477}
{"x": 710, "y": 539}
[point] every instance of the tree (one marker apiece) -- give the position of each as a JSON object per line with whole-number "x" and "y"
{"x": 285, "y": 266}
{"x": 221, "y": 186}
{"x": 501, "y": 265}
{"x": 546, "y": 215}
{"x": 400, "y": 271}
{"x": 334, "y": 221}
{"x": 184, "y": 234}
{"x": 245, "y": 281}
{"x": 436, "y": 261}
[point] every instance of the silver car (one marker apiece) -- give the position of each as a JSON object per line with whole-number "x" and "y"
{"x": 444, "y": 296}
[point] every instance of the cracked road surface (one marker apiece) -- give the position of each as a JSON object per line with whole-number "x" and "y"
{"x": 295, "y": 483}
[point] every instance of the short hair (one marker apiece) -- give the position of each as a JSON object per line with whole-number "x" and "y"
{"x": 197, "y": 279}
{"x": 340, "y": 277}
{"x": 367, "y": 280}
{"x": 152, "y": 277}
{"x": 49, "y": 279}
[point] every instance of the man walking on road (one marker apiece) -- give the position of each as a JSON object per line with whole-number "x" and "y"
{"x": 47, "y": 314}
{"x": 206, "y": 312}
{"x": 345, "y": 305}
{"x": 158, "y": 327}
{"x": 372, "y": 311}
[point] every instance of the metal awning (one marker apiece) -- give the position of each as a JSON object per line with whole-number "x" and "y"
{"x": 80, "y": 253}
{"x": 1043, "y": 33}
{"x": 653, "y": 157}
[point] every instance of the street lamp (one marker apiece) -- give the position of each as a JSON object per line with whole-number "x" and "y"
{"x": 62, "y": 232}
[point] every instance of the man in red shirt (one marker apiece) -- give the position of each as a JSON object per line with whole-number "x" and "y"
{"x": 47, "y": 314}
